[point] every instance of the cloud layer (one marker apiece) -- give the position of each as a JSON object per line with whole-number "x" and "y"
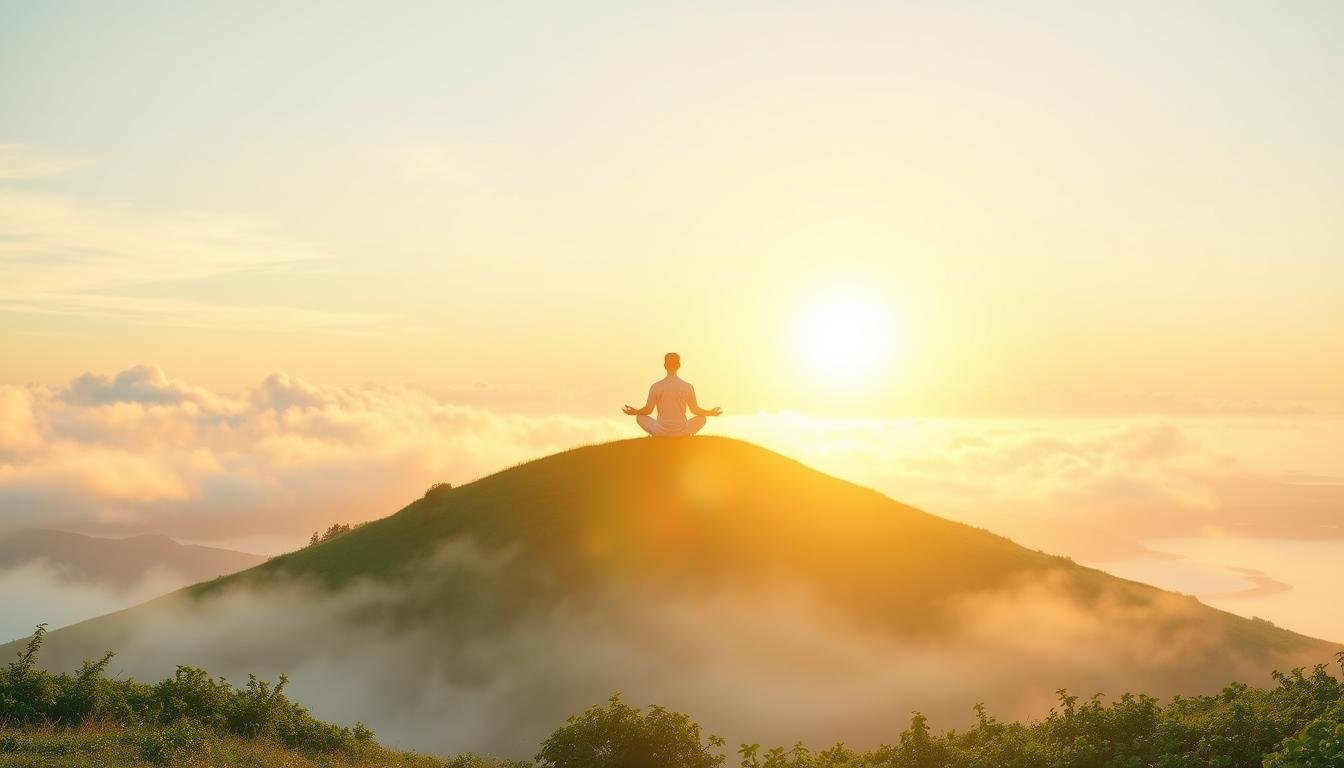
{"x": 1092, "y": 488}
{"x": 140, "y": 451}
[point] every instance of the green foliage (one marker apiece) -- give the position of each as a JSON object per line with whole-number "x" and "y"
{"x": 621, "y": 736}
{"x": 189, "y": 704}
{"x": 191, "y": 694}
{"x": 26, "y": 693}
{"x": 85, "y": 694}
{"x": 438, "y": 491}
{"x": 336, "y": 530}
{"x": 1320, "y": 744}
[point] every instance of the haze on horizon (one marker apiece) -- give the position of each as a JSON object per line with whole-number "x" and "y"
{"x": 1069, "y": 273}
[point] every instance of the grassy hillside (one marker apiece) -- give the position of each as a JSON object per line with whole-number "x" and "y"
{"x": 711, "y": 510}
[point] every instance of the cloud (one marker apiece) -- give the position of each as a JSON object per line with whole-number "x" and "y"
{"x": 22, "y": 161}
{"x": 142, "y": 452}
{"x": 1088, "y": 488}
{"x": 145, "y": 384}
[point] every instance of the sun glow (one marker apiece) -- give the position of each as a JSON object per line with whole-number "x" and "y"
{"x": 847, "y": 341}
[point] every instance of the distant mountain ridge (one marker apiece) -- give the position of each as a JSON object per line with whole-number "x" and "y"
{"x": 119, "y": 563}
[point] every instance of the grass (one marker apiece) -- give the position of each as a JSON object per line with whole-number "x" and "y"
{"x": 98, "y": 745}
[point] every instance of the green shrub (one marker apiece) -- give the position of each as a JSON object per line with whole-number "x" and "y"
{"x": 257, "y": 709}
{"x": 27, "y": 694}
{"x": 190, "y": 693}
{"x": 189, "y": 704}
{"x": 1320, "y": 744}
{"x": 618, "y": 735}
{"x": 78, "y": 698}
{"x": 438, "y": 491}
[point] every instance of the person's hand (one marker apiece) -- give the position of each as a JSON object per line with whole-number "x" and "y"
{"x": 715, "y": 411}
{"x": 630, "y": 411}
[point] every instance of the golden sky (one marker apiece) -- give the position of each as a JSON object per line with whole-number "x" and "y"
{"x": 850, "y": 210}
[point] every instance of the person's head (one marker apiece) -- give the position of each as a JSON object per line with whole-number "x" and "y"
{"x": 671, "y": 361}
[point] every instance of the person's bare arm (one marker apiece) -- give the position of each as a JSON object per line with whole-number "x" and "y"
{"x": 645, "y": 411}
{"x": 698, "y": 411}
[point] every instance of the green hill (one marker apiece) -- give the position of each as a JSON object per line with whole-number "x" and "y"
{"x": 698, "y": 512}
{"x": 667, "y": 565}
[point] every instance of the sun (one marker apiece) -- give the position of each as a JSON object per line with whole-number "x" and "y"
{"x": 846, "y": 340}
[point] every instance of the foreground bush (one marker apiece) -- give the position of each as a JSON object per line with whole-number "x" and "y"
{"x": 621, "y": 736}
{"x": 189, "y": 701}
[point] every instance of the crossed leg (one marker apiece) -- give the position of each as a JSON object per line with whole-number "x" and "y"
{"x": 655, "y": 428}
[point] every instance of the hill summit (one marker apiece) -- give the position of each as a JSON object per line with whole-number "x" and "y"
{"x": 704, "y": 573}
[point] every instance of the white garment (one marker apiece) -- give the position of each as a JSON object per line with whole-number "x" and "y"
{"x": 653, "y": 427}
{"x": 671, "y": 397}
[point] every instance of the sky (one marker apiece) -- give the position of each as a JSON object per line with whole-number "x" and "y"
{"x": 1072, "y": 272}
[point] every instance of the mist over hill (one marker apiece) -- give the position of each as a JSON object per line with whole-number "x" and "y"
{"x": 705, "y": 574}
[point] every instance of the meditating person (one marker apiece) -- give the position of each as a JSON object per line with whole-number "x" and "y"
{"x": 672, "y": 397}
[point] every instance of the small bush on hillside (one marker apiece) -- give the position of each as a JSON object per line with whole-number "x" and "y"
{"x": 437, "y": 490}
{"x": 191, "y": 694}
{"x": 337, "y": 529}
